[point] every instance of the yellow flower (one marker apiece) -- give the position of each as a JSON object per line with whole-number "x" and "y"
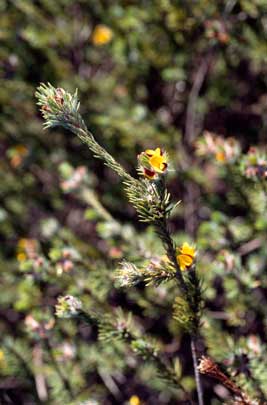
{"x": 185, "y": 256}
{"x": 21, "y": 257}
{"x": 134, "y": 400}
{"x": 220, "y": 157}
{"x": 153, "y": 163}
{"x": 2, "y": 356}
{"x": 157, "y": 160}
{"x": 2, "y": 359}
{"x": 26, "y": 249}
{"x": 101, "y": 35}
{"x": 22, "y": 243}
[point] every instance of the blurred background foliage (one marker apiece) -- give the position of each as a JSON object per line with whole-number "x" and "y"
{"x": 189, "y": 76}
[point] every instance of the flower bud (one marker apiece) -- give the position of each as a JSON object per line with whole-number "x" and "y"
{"x": 68, "y": 307}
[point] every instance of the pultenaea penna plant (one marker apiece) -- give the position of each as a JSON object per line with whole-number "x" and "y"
{"x": 150, "y": 197}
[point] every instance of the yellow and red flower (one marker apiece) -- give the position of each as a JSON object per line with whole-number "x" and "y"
{"x": 153, "y": 163}
{"x": 185, "y": 256}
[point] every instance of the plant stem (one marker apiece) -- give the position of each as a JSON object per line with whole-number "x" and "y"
{"x": 196, "y": 371}
{"x": 28, "y": 371}
{"x": 62, "y": 377}
{"x": 150, "y": 354}
{"x": 164, "y": 234}
{"x": 193, "y": 301}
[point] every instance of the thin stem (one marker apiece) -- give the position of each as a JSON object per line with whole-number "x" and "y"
{"x": 228, "y": 8}
{"x": 91, "y": 198}
{"x": 64, "y": 380}
{"x": 129, "y": 338}
{"x": 164, "y": 234}
{"x": 200, "y": 75}
{"x": 196, "y": 371}
{"x": 161, "y": 366}
{"x": 162, "y": 229}
{"x": 28, "y": 371}
{"x": 99, "y": 152}
{"x": 193, "y": 300}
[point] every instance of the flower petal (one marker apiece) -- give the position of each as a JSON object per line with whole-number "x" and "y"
{"x": 184, "y": 261}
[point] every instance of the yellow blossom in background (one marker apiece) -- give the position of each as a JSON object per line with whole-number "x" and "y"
{"x": 222, "y": 149}
{"x": 26, "y": 249}
{"x": 21, "y": 257}
{"x": 220, "y": 157}
{"x": 186, "y": 255}
{"x": 2, "y": 356}
{"x": 22, "y": 243}
{"x": 134, "y": 400}
{"x": 2, "y": 359}
{"x": 101, "y": 35}
{"x": 17, "y": 155}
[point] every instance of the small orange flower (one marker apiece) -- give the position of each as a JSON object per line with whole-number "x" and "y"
{"x": 17, "y": 155}
{"x": 220, "y": 156}
{"x": 186, "y": 255}
{"x": 101, "y": 35}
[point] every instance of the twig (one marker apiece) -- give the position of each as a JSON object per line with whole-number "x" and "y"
{"x": 196, "y": 371}
{"x": 164, "y": 234}
{"x": 159, "y": 362}
{"x": 193, "y": 96}
{"x": 208, "y": 367}
{"x": 90, "y": 198}
{"x": 228, "y": 8}
{"x": 169, "y": 245}
{"x": 198, "y": 81}
{"x": 27, "y": 369}
{"x": 39, "y": 376}
{"x": 190, "y": 202}
{"x": 64, "y": 380}
{"x": 189, "y": 137}
{"x": 110, "y": 384}
{"x": 250, "y": 246}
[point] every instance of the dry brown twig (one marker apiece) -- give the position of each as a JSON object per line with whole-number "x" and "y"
{"x": 211, "y": 369}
